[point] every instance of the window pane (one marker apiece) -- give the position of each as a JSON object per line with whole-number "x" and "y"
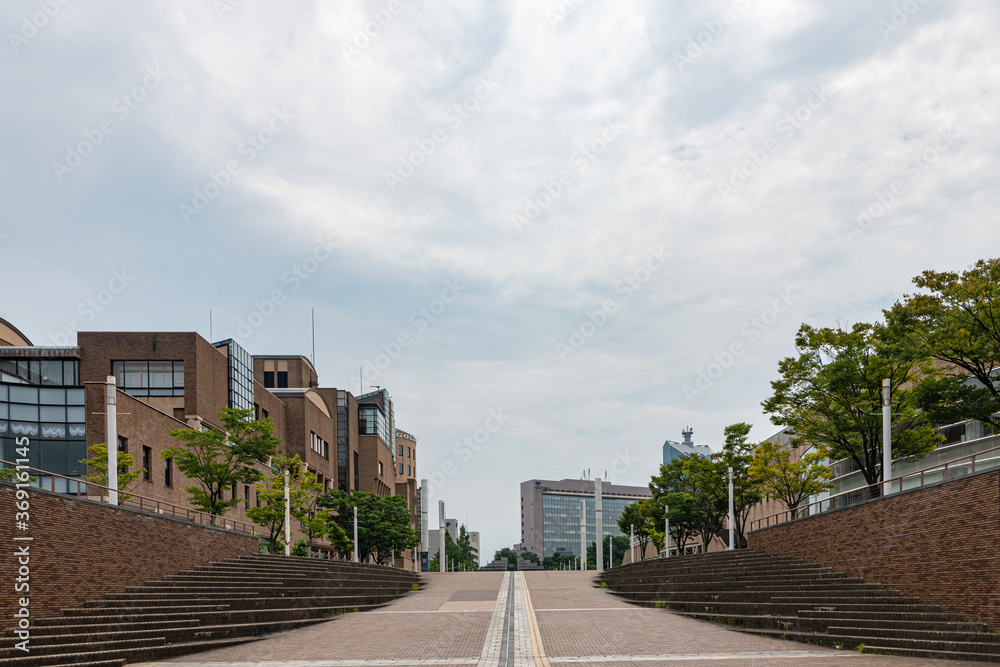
{"x": 161, "y": 374}
{"x": 24, "y": 394}
{"x": 24, "y": 412}
{"x": 76, "y": 451}
{"x": 54, "y": 457}
{"x": 75, "y": 397}
{"x": 52, "y": 371}
{"x": 53, "y": 413}
{"x": 179, "y": 374}
{"x": 71, "y": 373}
{"x": 52, "y": 396}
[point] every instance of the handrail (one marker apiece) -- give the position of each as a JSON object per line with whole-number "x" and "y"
{"x": 876, "y": 490}
{"x": 144, "y": 504}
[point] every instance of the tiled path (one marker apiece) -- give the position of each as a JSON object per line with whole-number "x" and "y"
{"x": 533, "y": 618}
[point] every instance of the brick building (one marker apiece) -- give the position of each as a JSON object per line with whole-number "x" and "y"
{"x": 175, "y": 380}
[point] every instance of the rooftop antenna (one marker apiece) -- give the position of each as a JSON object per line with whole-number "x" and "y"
{"x": 314, "y": 336}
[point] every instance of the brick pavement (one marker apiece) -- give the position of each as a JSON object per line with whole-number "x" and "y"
{"x": 557, "y": 618}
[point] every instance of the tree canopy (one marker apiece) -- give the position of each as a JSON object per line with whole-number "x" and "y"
{"x": 956, "y": 320}
{"x": 384, "y": 524}
{"x": 830, "y": 395}
{"x": 216, "y": 460}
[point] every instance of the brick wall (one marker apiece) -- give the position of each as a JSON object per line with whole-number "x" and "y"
{"x": 939, "y": 543}
{"x": 83, "y": 549}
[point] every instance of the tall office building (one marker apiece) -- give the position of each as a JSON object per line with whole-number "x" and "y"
{"x": 550, "y": 513}
{"x": 674, "y": 450}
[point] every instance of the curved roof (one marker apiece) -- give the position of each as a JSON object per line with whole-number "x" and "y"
{"x": 9, "y": 335}
{"x": 311, "y": 394}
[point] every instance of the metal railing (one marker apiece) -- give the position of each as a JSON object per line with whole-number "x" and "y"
{"x": 941, "y": 472}
{"x": 80, "y": 488}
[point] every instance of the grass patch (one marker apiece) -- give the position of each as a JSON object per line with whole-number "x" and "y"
{"x": 415, "y": 587}
{"x": 603, "y": 584}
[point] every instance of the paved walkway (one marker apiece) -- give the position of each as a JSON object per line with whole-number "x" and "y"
{"x": 536, "y": 619}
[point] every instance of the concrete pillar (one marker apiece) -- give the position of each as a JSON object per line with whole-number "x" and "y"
{"x": 598, "y": 525}
{"x": 666, "y": 532}
{"x": 288, "y": 519}
{"x": 732, "y": 514}
{"x": 355, "y": 534}
{"x": 442, "y": 566}
{"x": 112, "y": 438}
{"x": 886, "y": 436}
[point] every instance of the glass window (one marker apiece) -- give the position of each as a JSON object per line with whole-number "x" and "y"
{"x": 51, "y": 371}
{"x": 269, "y": 379}
{"x": 75, "y": 397}
{"x": 76, "y": 414}
{"x": 24, "y": 412}
{"x": 52, "y": 396}
{"x": 147, "y": 455}
{"x": 168, "y": 472}
{"x": 24, "y": 395}
{"x": 53, "y": 413}
{"x": 282, "y": 379}
{"x": 71, "y": 373}
{"x": 76, "y": 451}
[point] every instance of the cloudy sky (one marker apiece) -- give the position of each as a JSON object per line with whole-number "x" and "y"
{"x": 601, "y": 221}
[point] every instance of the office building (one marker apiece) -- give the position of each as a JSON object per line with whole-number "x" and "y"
{"x": 550, "y": 513}
{"x": 674, "y": 450}
{"x": 174, "y": 380}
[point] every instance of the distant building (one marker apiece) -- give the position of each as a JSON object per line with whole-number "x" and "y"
{"x": 550, "y": 513}
{"x": 674, "y": 450}
{"x": 165, "y": 381}
{"x": 453, "y": 528}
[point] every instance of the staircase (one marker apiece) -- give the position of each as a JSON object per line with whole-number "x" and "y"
{"x": 783, "y": 597}
{"x": 212, "y": 606}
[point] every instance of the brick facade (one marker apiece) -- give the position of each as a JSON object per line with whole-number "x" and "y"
{"x": 938, "y": 543}
{"x": 82, "y": 550}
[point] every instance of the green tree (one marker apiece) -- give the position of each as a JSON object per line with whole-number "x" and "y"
{"x": 531, "y": 556}
{"x": 620, "y": 546}
{"x": 830, "y": 395}
{"x": 957, "y": 322}
{"x": 302, "y": 491}
{"x": 673, "y": 492}
{"x": 738, "y": 454}
{"x": 384, "y": 528}
{"x": 506, "y": 554}
{"x": 98, "y": 462}
{"x": 706, "y": 481}
{"x": 559, "y": 561}
{"x": 458, "y": 554}
{"x": 789, "y": 481}
{"x": 633, "y": 521}
{"x": 216, "y": 460}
